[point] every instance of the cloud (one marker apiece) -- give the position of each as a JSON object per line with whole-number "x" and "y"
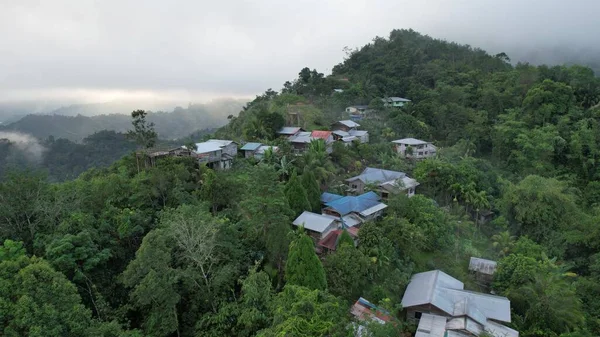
{"x": 26, "y": 144}
{"x": 241, "y": 48}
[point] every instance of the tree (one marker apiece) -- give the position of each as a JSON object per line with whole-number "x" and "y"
{"x": 143, "y": 131}
{"x": 300, "y": 311}
{"x": 313, "y": 192}
{"x": 347, "y": 270}
{"x": 503, "y": 242}
{"x": 36, "y": 300}
{"x": 296, "y": 195}
{"x": 303, "y": 267}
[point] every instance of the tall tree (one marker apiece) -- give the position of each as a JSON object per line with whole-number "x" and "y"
{"x": 296, "y": 195}
{"x": 303, "y": 267}
{"x": 143, "y": 131}
{"x": 313, "y": 192}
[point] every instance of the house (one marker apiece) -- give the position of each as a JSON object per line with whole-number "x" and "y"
{"x": 229, "y": 146}
{"x": 338, "y": 91}
{"x": 301, "y": 140}
{"x": 330, "y": 242}
{"x": 316, "y": 225}
{"x": 345, "y": 125}
{"x": 289, "y": 131}
{"x": 388, "y": 182}
{"x": 357, "y": 110}
{"x": 364, "y": 310}
{"x": 434, "y": 297}
{"x": 211, "y": 154}
{"x": 249, "y": 149}
{"x": 357, "y": 209}
{"x": 483, "y": 269}
{"x": 347, "y": 131}
{"x": 414, "y": 148}
{"x": 396, "y": 102}
{"x": 151, "y": 155}
{"x": 260, "y": 152}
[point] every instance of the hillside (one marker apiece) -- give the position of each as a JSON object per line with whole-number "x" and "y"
{"x": 178, "y": 123}
{"x": 179, "y": 249}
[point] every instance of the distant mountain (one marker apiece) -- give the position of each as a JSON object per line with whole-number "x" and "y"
{"x": 176, "y": 124}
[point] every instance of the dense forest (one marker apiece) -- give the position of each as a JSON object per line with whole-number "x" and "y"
{"x": 178, "y": 249}
{"x": 78, "y": 122}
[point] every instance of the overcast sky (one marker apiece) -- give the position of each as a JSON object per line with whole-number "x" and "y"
{"x": 200, "y": 49}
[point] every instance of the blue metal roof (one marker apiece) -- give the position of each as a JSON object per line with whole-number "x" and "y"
{"x": 349, "y": 204}
{"x": 251, "y": 146}
{"x": 329, "y": 197}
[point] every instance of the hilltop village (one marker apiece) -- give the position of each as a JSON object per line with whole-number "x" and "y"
{"x": 434, "y": 301}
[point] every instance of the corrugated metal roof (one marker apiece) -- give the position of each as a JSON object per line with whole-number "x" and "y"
{"x": 499, "y": 330}
{"x": 373, "y": 209}
{"x": 483, "y": 266}
{"x": 356, "y": 204}
{"x": 301, "y": 139}
{"x": 289, "y": 130}
{"x": 398, "y": 99}
{"x": 207, "y": 147}
{"x": 328, "y": 197}
{"x": 349, "y": 139}
{"x": 321, "y": 134}
{"x": 358, "y": 133}
{"x": 349, "y": 123}
{"x": 410, "y": 141}
{"x": 221, "y": 142}
{"x": 372, "y": 175}
{"x": 431, "y": 326}
{"x": 443, "y": 291}
{"x": 351, "y": 220}
{"x": 261, "y": 150}
{"x": 250, "y": 146}
{"x": 314, "y": 222}
{"x": 341, "y": 133}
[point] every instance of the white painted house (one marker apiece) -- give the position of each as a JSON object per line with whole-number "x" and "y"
{"x": 414, "y": 148}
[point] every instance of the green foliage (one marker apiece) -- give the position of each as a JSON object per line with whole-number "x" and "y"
{"x": 143, "y": 132}
{"x": 296, "y": 195}
{"x": 313, "y": 192}
{"x": 300, "y": 311}
{"x": 303, "y": 267}
{"x": 347, "y": 271}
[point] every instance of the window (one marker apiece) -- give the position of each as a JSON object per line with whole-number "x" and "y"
{"x": 420, "y": 153}
{"x": 384, "y": 195}
{"x": 425, "y": 152}
{"x": 418, "y": 315}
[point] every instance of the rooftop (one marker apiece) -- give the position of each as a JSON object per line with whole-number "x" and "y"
{"x": 321, "y": 134}
{"x": 398, "y": 99}
{"x": 348, "y": 123}
{"x": 447, "y": 294}
{"x": 207, "y": 147}
{"x": 289, "y": 130}
{"x": 314, "y": 222}
{"x": 221, "y": 142}
{"x": 251, "y": 146}
{"x": 410, "y": 141}
{"x": 330, "y": 241}
{"x": 372, "y": 175}
{"x": 363, "y": 310}
{"x": 354, "y": 204}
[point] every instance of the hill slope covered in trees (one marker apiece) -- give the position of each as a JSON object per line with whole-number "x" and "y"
{"x": 181, "y": 250}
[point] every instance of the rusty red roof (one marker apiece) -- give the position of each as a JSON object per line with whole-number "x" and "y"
{"x": 330, "y": 241}
{"x": 321, "y": 134}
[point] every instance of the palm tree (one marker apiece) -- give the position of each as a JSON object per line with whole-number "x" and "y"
{"x": 548, "y": 302}
{"x": 503, "y": 242}
{"x": 284, "y": 168}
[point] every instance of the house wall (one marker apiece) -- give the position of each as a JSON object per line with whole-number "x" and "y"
{"x": 231, "y": 149}
{"x": 412, "y": 312}
{"x": 209, "y": 157}
{"x": 418, "y": 151}
{"x": 360, "y": 186}
{"x": 249, "y": 154}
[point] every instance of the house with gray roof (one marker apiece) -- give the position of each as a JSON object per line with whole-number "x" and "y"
{"x": 396, "y": 102}
{"x": 216, "y": 153}
{"x": 288, "y": 131}
{"x": 388, "y": 182}
{"x": 249, "y": 149}
{"x": 347, "y": 131}
{"x": 414, "y": 148}
{"x": 466, "y": 313}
